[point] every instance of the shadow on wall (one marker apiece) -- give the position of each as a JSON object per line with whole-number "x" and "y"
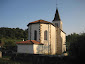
{"x": 42, "y": 49}
{"x": 39, "y": 49}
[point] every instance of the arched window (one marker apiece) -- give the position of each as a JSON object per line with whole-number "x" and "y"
{"x": 35, "y": 35}
{"x": 45, "y": 35}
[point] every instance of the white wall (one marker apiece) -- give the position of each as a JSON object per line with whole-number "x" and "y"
{"x": 24, "y": 48}
{"x": 59, "y": 24}
{"x": 31, "y": 29}
{"x": 53, "y": 40}
{"x": 38, "y": 49}
{"x": 31, "y": 49}
{"x": 49, "y": 46}
{"x": 63, "y": 36}
{"x": 45, "y": 42}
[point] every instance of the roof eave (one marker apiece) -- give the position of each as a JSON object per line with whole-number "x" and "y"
{"x": 40, "y": 23}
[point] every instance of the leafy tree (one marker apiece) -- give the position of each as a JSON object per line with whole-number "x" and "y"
{"x": 77, "y": 44}
{"x": 10, "y": 35}
{"x": 71, "y": 39}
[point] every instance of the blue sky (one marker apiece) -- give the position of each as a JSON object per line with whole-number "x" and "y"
{"x": 18, "y": 13}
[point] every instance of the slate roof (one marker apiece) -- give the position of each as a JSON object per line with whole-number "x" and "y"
{"x": 29, "y": 42}
{"x": 57, "y": 17}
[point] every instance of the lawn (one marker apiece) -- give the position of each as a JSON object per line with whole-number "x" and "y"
{"x": 7, "y": 60}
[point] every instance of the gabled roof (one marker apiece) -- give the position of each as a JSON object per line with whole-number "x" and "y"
{"x": 29, "y": 42}
{"x": 40, "y": 21}
{"x": 57, "y": 17}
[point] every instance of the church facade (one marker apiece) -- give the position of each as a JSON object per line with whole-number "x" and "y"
{"x": 44, "y": 37}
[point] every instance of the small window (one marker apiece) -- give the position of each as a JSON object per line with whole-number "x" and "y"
{"x": 35, "y": 35}
{"x": 45, "y": 35}
{"x": 56, "y": 24}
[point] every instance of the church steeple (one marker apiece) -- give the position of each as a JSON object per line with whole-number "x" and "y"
{"x": 57, "y": 21}
{"x": 57, "y": 17}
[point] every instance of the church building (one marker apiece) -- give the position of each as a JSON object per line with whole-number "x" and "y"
{"x": 44, "y": 37}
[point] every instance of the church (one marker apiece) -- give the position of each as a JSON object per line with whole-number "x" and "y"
{"x": 44, "y": 37}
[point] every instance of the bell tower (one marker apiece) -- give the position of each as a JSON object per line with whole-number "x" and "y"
{"x": 57, "y": 21}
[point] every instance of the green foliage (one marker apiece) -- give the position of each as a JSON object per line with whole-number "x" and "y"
{"x": 71, "y": 39}
{"x": 11, "y": 35}
{"x": 76, "y": 44}
{"x": 7, "y": 60}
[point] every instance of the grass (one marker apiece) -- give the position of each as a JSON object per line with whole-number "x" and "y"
{"x": 7, "y": 60}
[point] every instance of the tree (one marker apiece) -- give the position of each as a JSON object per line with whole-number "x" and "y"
{"x": 76, "y": 48}
{"x": 10, "y": 35}
{"x": 71, "y": 39}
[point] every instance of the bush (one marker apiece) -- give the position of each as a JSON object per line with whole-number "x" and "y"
{"x": 77, "y": 47}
